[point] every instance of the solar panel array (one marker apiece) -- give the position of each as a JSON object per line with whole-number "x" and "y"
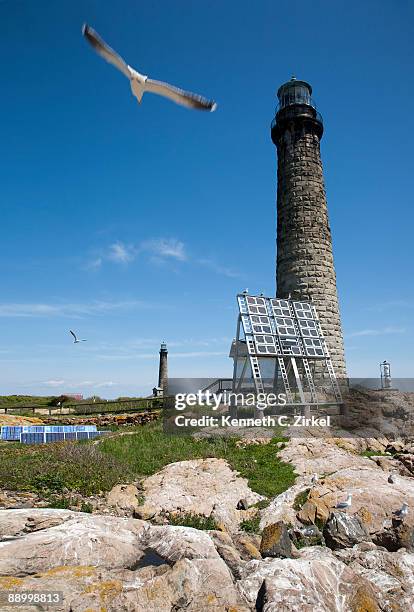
{"x": 45, "y": 437}
{"x": 42, "y": 434}
{"x": 281, "y": 328}
{"x": 13, "y": 432}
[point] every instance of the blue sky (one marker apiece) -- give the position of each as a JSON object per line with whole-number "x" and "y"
{"x": 133, "y": 224}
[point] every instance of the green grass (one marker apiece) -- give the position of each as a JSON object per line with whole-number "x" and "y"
{"x": 88, "y": 469}
{"x": 77, "y": 407}
{"x": 300, "y": 499}
{"x": 375, "y": 454}
{"x": 251, "y": 525}
{"x": 86, "y": 507}
{"x": 263, "y": 503}
{"x": 197, "y": 521}
{"x": 49, "y": 469}
{"x": 62, "y": 502}
{"x": 24, "y": 400}
{"x": 151, "y": 449}
{"x": 304, "y": 542}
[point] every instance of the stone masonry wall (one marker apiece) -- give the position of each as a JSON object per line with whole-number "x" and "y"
{"x": 163, "y": 372}
{"x": 305, "y": 266}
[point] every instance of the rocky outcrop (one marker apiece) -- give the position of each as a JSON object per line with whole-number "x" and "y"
{"x": 72, "y": 539}
{"x": 17, "y": 523}
{"x": 206, "y": 487}
{"x": 276, "y": 542}
{"x": 21, "y": 499}
{"x": 395, "y": 536}
{"x": 307, "y": 536}
{"x": 343, "y": 530}
{"x": 315, "y": 581}
{"x": 12, "y": 420}
{"x": 114, "y": 563}
{"x": 407, "y": 460}
{"x": 321, "y": 456}
{"x": 281, "y": 508}
{"x": 375, "y": 497}
{"x": 118, "y": 563}
{"x": 391, "y": 465}
{"x": 391, "y": 574}
{"x": 105, "y": 420}
{"x": 125, "y": 498}
{"x": 45, "y": 499}
{"x": 390, "y": 412}
{"x": 227, "y": 551}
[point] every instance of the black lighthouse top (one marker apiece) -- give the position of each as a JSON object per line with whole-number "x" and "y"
{"x": 294, "y": 92}
{"x": 295, "y": 106}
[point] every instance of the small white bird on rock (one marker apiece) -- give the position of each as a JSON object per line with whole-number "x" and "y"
{"x": 141, "y": 83}
{"x": 314, "y": 478}
{"x": 345, "y": 504}
{"x": 402, "y": 512}
{"x": 392, "y": 478}
{"x": 309, "y": 532}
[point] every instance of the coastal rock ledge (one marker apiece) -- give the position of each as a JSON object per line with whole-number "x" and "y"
{"x": 123, "y": 564}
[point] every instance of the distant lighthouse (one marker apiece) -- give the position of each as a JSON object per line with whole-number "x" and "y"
{"x": 305, "y": 267}
{"x": 163, "y": 369}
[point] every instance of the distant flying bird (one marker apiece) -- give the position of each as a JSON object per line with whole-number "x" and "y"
{"x": 345, "y": 504}
{"x": 141, "y": 83}
{"x": 76, "y": 338}
{"x": 402, "y": 512}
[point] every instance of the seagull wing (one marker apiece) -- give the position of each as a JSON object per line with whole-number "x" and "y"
{"x": 179, "y": 96}
{"x": 104, "y": 50}
{"x": 343, "y": 504}
{"x": 73, "y": 334}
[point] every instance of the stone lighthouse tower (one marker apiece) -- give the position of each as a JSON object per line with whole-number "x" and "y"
{"x": 163, "y": 370}
{"x": 305, "y": 267}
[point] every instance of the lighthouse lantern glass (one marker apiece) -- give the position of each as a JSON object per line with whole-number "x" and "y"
{"x": 295, "y": 92}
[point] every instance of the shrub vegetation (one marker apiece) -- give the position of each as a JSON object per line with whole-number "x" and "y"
{"x": 89, "y": 468}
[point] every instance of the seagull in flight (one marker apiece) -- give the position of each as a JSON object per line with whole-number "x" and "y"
{"x": 76, "y": 341}
{"x": 402, "y": 512}
{"x": 141, "y": 83}
{"x": 344, "y": 505}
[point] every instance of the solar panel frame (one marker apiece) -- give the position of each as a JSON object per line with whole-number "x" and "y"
{"x": 82, "y": 435}
{"x": 32, "y": 438}
{"x": 93, "y": 434}
{"x": 11, "y": 433}
{"x": 276, "y": 327}
{"x": 54, "y": 436}
{"x": 304, "y": 310}
{"x": 70, "y": 435}
{"x": 33, "y": 428}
